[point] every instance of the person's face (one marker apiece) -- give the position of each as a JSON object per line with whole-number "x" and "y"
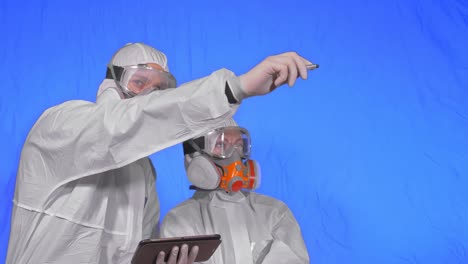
{"x": 229, "y": 141}
{"x": 148, "y": 79}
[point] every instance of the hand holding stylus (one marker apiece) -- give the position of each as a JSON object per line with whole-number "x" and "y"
{"x": 275, "y": 71}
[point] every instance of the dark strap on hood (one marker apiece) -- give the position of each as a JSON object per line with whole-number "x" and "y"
{"x": 117, "y": 70}
{"x": 189, "y": 149}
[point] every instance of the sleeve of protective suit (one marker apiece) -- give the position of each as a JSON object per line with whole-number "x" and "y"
{"x": 288, "y": 245}
{"x": 79, "y": 138}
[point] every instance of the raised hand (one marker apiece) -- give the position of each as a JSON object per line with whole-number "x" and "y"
{"x": 273, "y": 72}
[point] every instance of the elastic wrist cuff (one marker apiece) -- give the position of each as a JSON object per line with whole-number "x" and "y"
{"x": 234, "y": 92}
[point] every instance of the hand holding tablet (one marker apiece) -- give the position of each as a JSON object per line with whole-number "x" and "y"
{"x": 148, "y": 249}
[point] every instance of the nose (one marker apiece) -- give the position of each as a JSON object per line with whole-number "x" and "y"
{"x": 234, "y": 149}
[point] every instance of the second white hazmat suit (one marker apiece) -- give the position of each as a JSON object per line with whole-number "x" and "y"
{"x": 254, "y": 228}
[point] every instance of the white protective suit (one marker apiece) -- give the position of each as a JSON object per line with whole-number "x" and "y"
{"x": 85, "y": 189}
{"x": 254, "y": 228}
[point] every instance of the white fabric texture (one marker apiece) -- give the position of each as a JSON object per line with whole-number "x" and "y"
{"x": 83, "y": 178}
{"x": 254, "y": 228}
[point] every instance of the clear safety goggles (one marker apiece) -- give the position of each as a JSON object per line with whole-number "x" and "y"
{"x": 142, "y": 79}
{"x": 221, "y": 143}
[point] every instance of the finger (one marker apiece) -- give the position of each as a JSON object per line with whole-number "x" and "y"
{"x": 306, "y": 61}
{"x": 160, "y": 259}
{"x": 193, "y": 255}
{"x": 292, "y": 71}
{"x": 173, "y": 257}
{"x": 281, "y": 74}
{"x": 183, "y": 254}
{"x": 301, "y": 66}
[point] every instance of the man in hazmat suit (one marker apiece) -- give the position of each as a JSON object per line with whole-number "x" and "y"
{"x": 85, "y": 189}
{"x": 254, "y": 228}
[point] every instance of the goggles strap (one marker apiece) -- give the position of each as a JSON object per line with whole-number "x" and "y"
{"x": 117, "y": 71}
{"x": 190, "y": 149}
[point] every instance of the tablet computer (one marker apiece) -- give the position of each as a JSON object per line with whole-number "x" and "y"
{"x": 148, "y": 249}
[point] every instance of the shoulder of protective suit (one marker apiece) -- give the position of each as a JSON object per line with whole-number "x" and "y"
{"x": 189, "y": 204}
{"x": 68, "y": 106}
{"x": 190, "y": 207}
{"x": 72, "y": 104}
{"x": 265, "y": 200}
{"x": 61, "y": 112}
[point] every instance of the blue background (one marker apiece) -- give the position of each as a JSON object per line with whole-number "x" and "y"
{"x": 370, "y": 153}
